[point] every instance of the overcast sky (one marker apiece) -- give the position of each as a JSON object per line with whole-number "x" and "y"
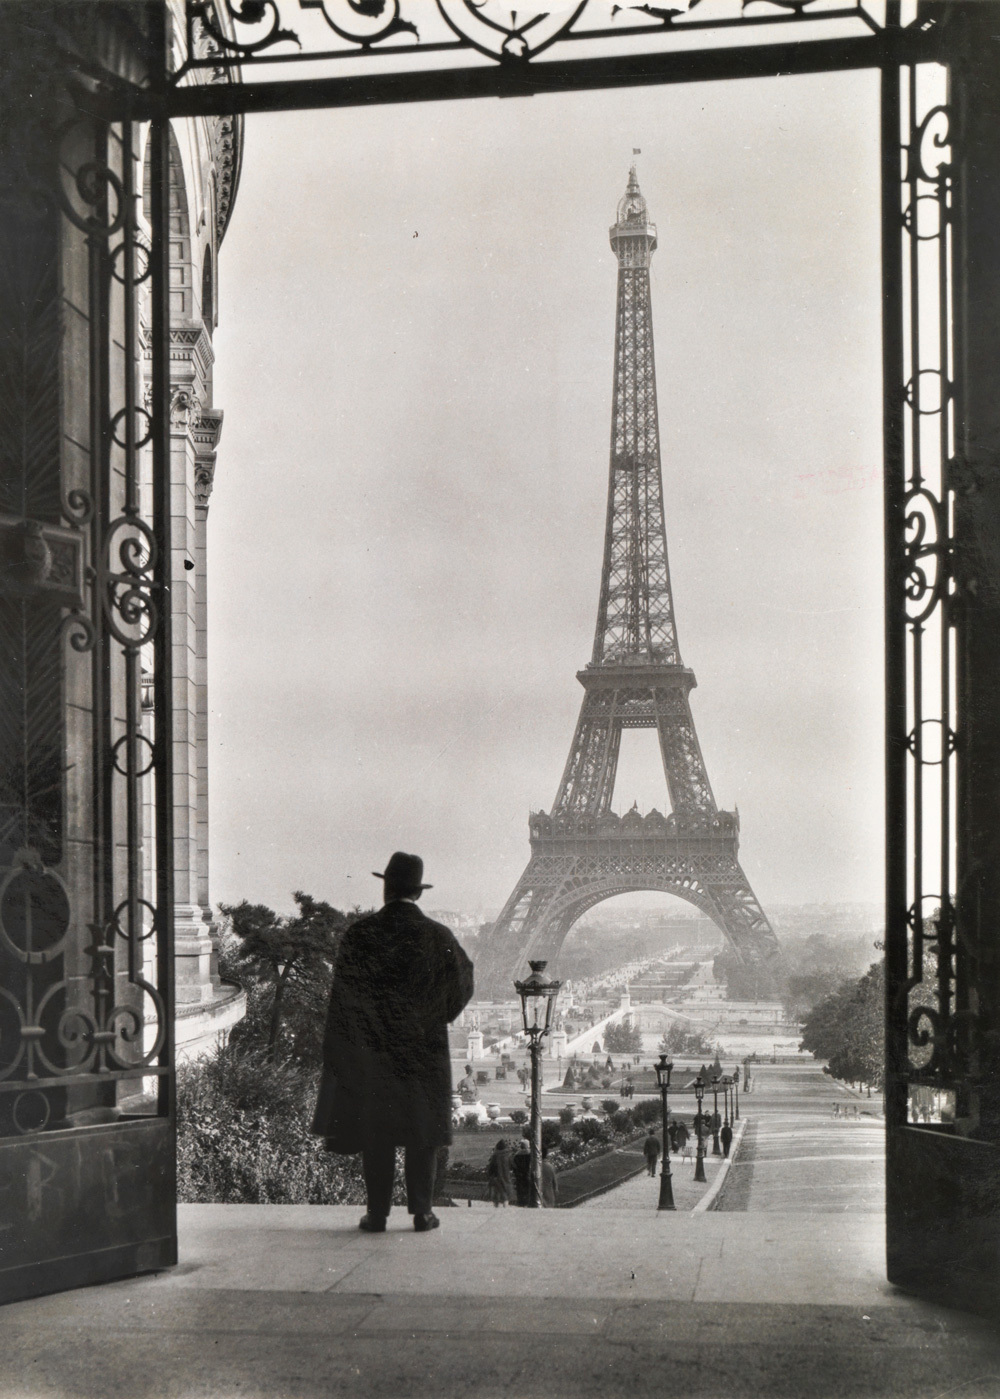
{"x": 414, "y": 357}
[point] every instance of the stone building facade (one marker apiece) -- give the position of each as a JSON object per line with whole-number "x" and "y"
{"x": 205, "y": 156}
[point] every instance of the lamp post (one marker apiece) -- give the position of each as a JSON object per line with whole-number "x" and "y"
{"x": 736, "y": 1093}
{"x": 699, "y": 1160}
{"x": 716, "y": 1148}
{"x": 726, "y": 1082}
{"x": 538, "y": 996}
{"x": 663, "y": 1071}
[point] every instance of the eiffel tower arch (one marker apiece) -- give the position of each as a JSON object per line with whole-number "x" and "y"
{"x": 581, "y": 851}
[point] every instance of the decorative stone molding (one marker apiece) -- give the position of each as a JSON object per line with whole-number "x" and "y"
{"x": 191, "y": 356}
{"x": 204, "y": 479}
{"x": 206, "y": 439}
{"x": 185, "y": 409}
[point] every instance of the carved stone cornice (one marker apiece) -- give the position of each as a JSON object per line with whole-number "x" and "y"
{"x": 208, "y": 432}
{"x": 191, "y": 349}
{"x": 206, "y": 438}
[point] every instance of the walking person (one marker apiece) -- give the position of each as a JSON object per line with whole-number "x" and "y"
{"x": 499, "y": 1184}
{"x": 672, "y": 1135}
{"x": 651, "y": 1151}
{"x": 726, "y": 1138}
{"x": 398, "y": 980}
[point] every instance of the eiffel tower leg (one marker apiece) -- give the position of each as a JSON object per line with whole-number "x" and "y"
{"x": 524, "y": 927}
{"x": 741, "y": 917}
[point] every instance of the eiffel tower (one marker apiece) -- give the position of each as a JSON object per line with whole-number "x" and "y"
{"x": 581, "y": 852}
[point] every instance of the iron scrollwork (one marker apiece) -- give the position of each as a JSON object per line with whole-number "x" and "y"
{"x": 258, "y": 32}
{"x": 936, "y": 1030}
{"x": 104, "y": 569}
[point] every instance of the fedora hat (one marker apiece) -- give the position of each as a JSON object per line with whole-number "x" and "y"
{"x": 404, "y": 873}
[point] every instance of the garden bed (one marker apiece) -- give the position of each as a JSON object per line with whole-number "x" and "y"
{"x": 610, "y": 1166}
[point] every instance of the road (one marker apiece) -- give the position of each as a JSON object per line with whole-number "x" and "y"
{"x": 796, "y": 1156}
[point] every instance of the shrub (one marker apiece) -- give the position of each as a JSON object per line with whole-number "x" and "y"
{"x": 567, "y": 1115}
{"x": 471, "y": 1120}
{"x": 570, "y": 1146}
{"x": 610, "y": 1105}
{"x": 519, "y": 1117}
{"x": 590, "y": 1130}
{"x": 243, "y": 1136}
{"x": 648, "y": 1111}
{"x": 605, "y": 1082}
{"x": 622, "y": 1121}
{"x": 551, "y": 1135}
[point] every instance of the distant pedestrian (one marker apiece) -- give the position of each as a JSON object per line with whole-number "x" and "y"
{"x": 651, "y": 1151}
{"x": 726, "y": 1138}
{"x": 672, "y": 1132}
{"x": 499, "y": 1185}
{"x": 682, "y": 1135}
{"x": 520, "y": 1165}
{"x": 550, "y": 1185}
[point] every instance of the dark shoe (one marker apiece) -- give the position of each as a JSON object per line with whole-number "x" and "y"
{"x": 423, "y": 1222}
{"x": 371, "y": 1224}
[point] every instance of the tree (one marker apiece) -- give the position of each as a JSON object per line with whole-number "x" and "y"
{"x": 286, "y": 959}
{"x": 622, "y": 1039}
{"x": 689, "y": 1043}
{"x": 846, "y": 1028}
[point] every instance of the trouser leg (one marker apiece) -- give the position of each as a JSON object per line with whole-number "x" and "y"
{"x": 419, "y": 1164}
{"x": 379, "y": 1166}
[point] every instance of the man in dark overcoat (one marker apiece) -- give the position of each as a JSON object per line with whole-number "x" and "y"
{"x": 398, "y": 980}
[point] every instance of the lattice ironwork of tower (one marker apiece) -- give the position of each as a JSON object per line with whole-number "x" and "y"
{"x": 581, "y": 852}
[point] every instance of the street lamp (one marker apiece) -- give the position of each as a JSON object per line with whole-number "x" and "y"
{"x": 727, "y": 1084}
{"x": 716, "y": 1148}
{"x": 538, "y": 996}
{"x": 699, "y": 1160}
{"x": 663, "y": 1071}
{"x": 736, "y": 1093}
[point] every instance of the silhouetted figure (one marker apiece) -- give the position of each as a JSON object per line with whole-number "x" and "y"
{"x": 398, "y": 980}
{"x": 651, "y": 1151}
{"x": 550, "y": 1184}
{"x": 499, "y": 1185}
{"x": 726, "y": 1138}
{"x": 520, "y": 1166}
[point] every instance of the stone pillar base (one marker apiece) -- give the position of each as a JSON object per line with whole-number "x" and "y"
{"x": 197, "y": 976}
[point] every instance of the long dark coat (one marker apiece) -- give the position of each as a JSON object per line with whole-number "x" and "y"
{"x": 499, "y": 1186}
{"x": 398, "y": 981}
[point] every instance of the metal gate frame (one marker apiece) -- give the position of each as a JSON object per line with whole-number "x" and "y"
{"x": 204, "y": 57}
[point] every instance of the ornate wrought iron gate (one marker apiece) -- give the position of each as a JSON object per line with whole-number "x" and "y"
{"x": 86, "y": 1010}
{"x": 85, "y": 1006}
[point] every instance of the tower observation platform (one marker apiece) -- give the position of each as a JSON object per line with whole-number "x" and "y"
{"x": 581, "y": 851}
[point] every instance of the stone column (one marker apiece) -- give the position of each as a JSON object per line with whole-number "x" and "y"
{"x": 206, "y": 439}
{"x": 191, "y": 360}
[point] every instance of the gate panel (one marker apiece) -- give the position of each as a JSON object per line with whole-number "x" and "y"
{"x": 942, "y": 352}
{"x": 86, "y": 1013}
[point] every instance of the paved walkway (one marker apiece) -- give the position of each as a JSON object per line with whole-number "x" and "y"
{"x": 797, "y": 1156}
{"x": 292, "y": 1302}
{"x": 642, "y": 1192}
